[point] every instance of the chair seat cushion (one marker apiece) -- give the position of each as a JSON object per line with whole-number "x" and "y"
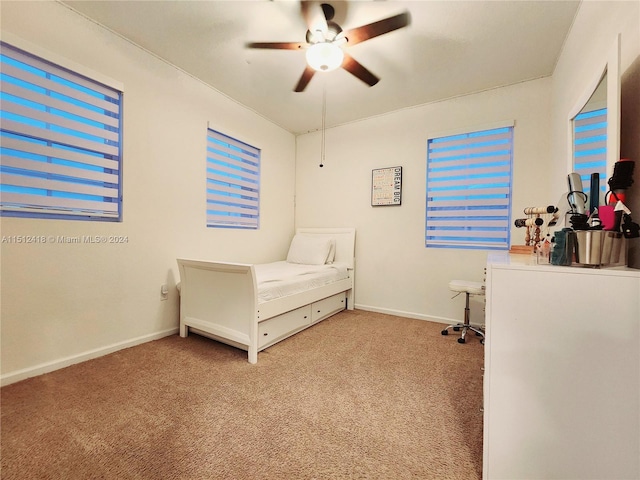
{"x": 473, "y": 288}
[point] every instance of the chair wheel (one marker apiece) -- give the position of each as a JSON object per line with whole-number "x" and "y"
{"x": 482, "y": 341}
{"x": 445, "y": 332}
{"x": 457, "y": 329}
{"x": 461, "y": 340}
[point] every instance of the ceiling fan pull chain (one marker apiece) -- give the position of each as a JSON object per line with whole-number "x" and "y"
{"x": 324, "y": 115}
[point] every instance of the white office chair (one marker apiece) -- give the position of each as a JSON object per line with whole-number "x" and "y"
{"x": 468, "y": 288}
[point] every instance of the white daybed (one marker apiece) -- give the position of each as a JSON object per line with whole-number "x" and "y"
{"x": 229, "y": 303}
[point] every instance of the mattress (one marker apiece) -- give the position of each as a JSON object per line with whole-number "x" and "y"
{"x": 280, "y": 279}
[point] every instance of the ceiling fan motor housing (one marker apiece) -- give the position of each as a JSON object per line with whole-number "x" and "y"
{"x": 333, "y": 30}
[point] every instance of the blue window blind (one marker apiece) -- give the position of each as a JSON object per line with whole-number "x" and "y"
{"x": 60, "y": 141}
{"x": 469, "y": 190}
{"x": 590, "y": 147}
{"x": 233, "y": 182}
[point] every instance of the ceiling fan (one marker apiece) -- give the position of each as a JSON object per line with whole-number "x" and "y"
{"x": 325, "y": 40}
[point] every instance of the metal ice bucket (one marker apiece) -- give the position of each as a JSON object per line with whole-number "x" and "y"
{"x": 589, "y": 246}
{"x": 598, "y": 247}
{"x": 612, "y": 248}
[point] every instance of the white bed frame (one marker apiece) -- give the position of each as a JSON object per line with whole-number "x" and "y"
{"x": 220, "y": 300}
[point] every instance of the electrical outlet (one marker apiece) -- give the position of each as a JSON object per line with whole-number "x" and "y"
{"x": 164, "y": 292}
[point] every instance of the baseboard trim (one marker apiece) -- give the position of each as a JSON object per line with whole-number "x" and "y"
{"x": 402, "y": 313}
{"x": 18, "y": 375}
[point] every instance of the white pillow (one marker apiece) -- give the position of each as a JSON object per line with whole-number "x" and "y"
{"x": 332, "y": 251}
{"x": 309, "y": 250}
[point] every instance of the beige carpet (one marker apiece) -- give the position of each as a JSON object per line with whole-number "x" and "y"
{"x": 358, "y": 396}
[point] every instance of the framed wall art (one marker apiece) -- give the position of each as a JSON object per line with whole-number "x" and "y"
{"x": 386, "y": 186}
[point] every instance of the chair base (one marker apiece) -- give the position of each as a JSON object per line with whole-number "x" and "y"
{"x": 465, "y": 328}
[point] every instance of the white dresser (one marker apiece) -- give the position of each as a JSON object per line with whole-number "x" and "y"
{"x": 562, "y": 371}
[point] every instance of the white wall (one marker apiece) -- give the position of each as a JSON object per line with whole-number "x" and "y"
{"x": 395, "y": 273}
{"x": 66, "y": 302}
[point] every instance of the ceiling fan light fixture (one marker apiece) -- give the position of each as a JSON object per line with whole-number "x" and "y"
{"x": 324, "y": 56}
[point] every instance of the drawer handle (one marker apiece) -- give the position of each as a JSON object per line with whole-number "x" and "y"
{"x": 265, "y": 334}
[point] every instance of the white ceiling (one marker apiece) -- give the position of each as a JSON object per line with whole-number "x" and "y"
{"x": 451, "y": 48}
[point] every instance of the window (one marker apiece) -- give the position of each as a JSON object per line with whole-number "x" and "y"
{"x": 469, "y": 190}
{"x": 233, "y": 182}
{"x": 60, "y": 142}
{"x": 590, "y": 147}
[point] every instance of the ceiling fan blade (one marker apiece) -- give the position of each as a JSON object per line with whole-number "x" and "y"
{"x": 375, "y": 29}
{"x": 355, "y": 68}
{"x": 314, "y": 16}
{"x": 304, "y": 79}
{"x": 328, "y": 11}
{"x": 277, "y": 45}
